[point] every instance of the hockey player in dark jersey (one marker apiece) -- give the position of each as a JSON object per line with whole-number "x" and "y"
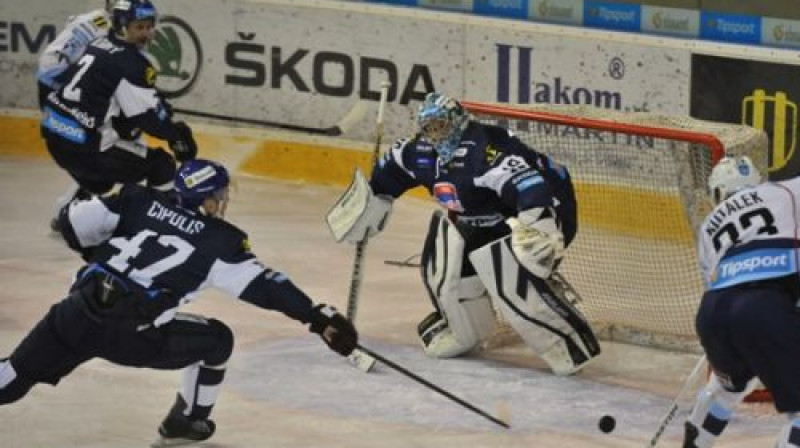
{"x": 748, "y": 320}
{"x": 69, "y": 45}
{"x": 66, "y": 49}
{"x": 93, "y": 124}
{"x": 146, "y": 256}
{"x": 490, "y": 185}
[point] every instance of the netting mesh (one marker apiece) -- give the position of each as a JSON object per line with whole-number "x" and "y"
{"x": 641, "y": 196}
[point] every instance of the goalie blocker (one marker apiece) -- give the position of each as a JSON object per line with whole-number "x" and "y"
{"x": 543, "y": 318}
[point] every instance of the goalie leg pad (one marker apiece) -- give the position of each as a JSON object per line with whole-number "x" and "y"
{"x": 546, "y": 321}
{"x": 465, "y": 314}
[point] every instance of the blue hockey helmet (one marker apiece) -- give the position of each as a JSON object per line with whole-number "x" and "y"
{"x": 441, "y": 121}
{"x": 201, "y": 179}
{"x": 127, "y": 11}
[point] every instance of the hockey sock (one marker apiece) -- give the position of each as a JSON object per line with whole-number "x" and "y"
{"x": 711, "y": 413}
{"x": 789, "y": 437}
{"x": 200, "y": 388}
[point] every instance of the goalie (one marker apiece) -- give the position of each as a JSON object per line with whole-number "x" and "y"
{"x": 508, "y": 214}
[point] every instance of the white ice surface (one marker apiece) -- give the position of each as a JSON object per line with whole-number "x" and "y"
{"x": 286, "y": 389}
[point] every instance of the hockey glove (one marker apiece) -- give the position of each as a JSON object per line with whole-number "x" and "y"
{"x": 334, "y": 329}
{"x": 184, "y": 146}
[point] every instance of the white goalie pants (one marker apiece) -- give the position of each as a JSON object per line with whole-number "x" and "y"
{"x": 544, "y": 319}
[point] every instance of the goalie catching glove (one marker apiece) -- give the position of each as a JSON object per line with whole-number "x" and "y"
{"x": 536, "y": 241}
{"x": 340, "y": 335}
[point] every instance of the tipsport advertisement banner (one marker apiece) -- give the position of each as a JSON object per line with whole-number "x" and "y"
{"x": 764, "y": 95}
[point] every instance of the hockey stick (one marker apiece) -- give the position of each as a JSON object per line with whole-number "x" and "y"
{"x": 354, "y": 115}
{"x": 407, "y": 263}
{"x": 358, "y": 358}
{"x": 433, "y": 387}
{"x": 673, "y": 407}
{"x": 361, "y": 246}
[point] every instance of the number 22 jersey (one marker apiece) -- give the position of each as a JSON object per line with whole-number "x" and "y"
{"x": 751, "y": 236}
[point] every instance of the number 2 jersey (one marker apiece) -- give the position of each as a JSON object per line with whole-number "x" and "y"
{"x": 143, "y": 237}
{"x": 107, "y": 95}
{"x": 70, "y": 44}
{"x": 752, "y": 235}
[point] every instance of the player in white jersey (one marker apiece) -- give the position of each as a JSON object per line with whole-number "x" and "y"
{"x": 69, "y": 45}
{"x": 748, "y": 321}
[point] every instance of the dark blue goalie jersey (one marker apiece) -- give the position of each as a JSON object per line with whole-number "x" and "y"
{"x": 108, "y": 94}
{"x": 144, "y": 238}
{"x": 492, "y": 176}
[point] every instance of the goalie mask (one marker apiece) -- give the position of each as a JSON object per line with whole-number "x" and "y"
{"x": 198, "y": 180}
{"x": 730, "y": 175}
{"x": 441, "y": 121}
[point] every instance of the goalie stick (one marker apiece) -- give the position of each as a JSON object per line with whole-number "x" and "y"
{"x": 354, "y": 115}
{"x": 407, "y": 263}
{"x": 359, "y": 359}
{"x": 361, "y": 246}
{"x": 673, "y": 407}
{"x": 433, "y": 387}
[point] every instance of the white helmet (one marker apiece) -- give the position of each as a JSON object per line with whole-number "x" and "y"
{"x": 730, "y": 175}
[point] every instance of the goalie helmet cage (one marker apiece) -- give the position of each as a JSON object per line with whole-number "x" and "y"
{"x": 640, "y": 181}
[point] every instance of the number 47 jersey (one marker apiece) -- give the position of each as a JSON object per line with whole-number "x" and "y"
{"x": 145, "y": 239}
{"x": 751, "y": 236}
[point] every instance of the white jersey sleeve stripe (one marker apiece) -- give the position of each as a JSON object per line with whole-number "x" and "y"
{"x": 233, "y": 278}
{"x": 134, "y": 100}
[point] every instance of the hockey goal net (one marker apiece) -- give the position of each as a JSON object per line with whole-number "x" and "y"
{"x": 640, "y": 182}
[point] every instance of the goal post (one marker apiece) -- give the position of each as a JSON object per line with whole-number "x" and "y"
{"x": 640, "y": 181}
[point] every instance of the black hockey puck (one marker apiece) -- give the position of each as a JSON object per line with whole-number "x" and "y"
{"x": 606, "y": 423}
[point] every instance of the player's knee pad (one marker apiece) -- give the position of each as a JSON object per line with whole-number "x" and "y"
{"x": 161, "y": 172}
{"x": 465, "y": 314}
{"x": 12, "y": 386}
{"x": 545, "y": 320}
{"x": 712, "y": 411}
{"x": 224, "y": 344}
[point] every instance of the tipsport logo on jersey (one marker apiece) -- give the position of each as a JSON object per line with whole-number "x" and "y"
{"x": 178, "y": 56}
{"x": 753, "y": 266}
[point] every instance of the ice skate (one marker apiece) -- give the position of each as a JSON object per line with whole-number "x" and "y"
{"x": 177, "y": 429}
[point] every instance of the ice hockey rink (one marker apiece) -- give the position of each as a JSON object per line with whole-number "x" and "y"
{"x": 284, "y": 388}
